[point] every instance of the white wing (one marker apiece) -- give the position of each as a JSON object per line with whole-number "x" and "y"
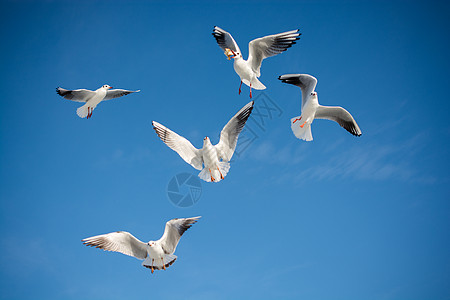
{"x": 230, "y": 133}
{"x": 179, "y": 144}
{"x": 225, "y": 40}
{"x": 268, "y": 46}
{"x": 111, "y": 94}
{"x": 120, "y": 241}
{"x": 80, "y": 95}
{"x": 173, "y": 232}
{"x": 305, "y": 82}
{"x": 339, "y": 115}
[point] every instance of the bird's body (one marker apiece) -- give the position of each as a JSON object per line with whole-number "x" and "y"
{"x": 249, "y": 70}
{"x": 212, "y": 160}
{"x": 91, "y": 98}
{"x": 157, "y": 255}
{"x": 311, "y": 109}
{"x": 246, "y": 74}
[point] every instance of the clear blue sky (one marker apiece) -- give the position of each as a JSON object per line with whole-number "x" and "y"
{"x": 337, "y": 218}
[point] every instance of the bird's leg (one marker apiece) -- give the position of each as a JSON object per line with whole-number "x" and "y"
{"x": 164, "y": 266}
{"x": 87, "y": 117}
{"x": 152, "y": 266}
{"x": 301, "y": 126}
{"x": 221, "y": 176}
{"x": 250, "y": 90}
{"x": 298, "y": 119}
{"x": 240, "y": 87}
{"x": 212, "y": 178}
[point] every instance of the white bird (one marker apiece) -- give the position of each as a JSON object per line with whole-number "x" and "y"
{"x": 157, "y": 255}
{"x": 311, "y": 109}
{"x": 91, "y": 98}
{"x": 214, "y": 158}
{"x": 249, "y": 70}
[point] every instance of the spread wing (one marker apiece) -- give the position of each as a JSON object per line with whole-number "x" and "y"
{"x": 120, "y": 241}
{"x": 230, "y": 133}
{"x": 179, "y": 144}
{"x": 80, "y": 95}
{"x": 305, "y": 82}
{"x": 225, "y": 40}
{"x": 111, "y": 94}
{"x": 339, "y": 115}
{"x": 268, "y": 46}
{"x": 173, "y": 232}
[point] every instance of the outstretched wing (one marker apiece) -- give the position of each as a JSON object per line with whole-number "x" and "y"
{"x": 111, "y": 94}
{"x": 80, "y": 95}
{"x": 230, "y": 133}
{"x": 225, "y": 40}
{"x": 305, "y": 82}
{"x": 339, "y": 115}
{"x": 179, "y": 144}
{"x": 268, "y": 46}
{"x": 120, "y": 241}
{"x": 173, "y": 232}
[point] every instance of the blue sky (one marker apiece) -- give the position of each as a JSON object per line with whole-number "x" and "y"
{"x": 337, "y": 218}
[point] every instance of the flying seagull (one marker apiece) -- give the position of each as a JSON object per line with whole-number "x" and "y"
{"x": 311, "y": 109}
{"x": 91, "y": 98}
{"x": 214, "y": 158}
{"x": 157, "y": 255}
{"x": 249, "y": 70}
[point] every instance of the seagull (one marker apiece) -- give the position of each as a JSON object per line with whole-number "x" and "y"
{"x": 311, "y": 109}
{"x": 91, "y": 98}
{"x": 258, "y": 49}
{"x": 214, "y": 158}
{"x": 157, "y": 255}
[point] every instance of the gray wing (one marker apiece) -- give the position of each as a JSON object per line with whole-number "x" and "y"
{"x": 305, "y": 82}
{"x": 268, "y": 46}
{"x": 120, "y": 241}
{"x": 179, "y": 144}
{"x": 111, "y": 94}
{"x": 339, "y": 115}
{"x": 80, "y": 95}
{"x": 225, "y": 40}
{"x": 173, "y": 232}
{"x": 230, "y": 133}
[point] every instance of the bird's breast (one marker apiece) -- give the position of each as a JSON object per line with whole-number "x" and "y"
{"x": 209, "y": 155}
{"x": 243, "y": 69}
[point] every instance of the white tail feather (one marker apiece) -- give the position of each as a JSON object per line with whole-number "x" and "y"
{"x": 83, "y": 111}
{"x": 205, "y": 174}
{"x": 256, "y": 84}
{"x": 301, "y": 133}
{"x": 158, "y": 264}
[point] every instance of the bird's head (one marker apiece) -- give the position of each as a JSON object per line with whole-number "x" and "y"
{"x": 106, "y": 87}
{"x": 231, "y": 54}
{"x": 151, "y": 243}
{"x": 206, "y": 140}
{"x": 314, "y": 94}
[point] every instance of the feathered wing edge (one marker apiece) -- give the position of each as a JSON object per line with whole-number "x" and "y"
{"x": 173, "y": 231}
{"x": 230, "y": 133}
{"x": 179, "y": 144}
{"x": 340, "y": 116}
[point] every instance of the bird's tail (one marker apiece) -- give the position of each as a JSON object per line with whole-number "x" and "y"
{"x": 215, "y": 174}
{"x": 159, "y": 264}
{"x": 84, "y": 110}
{"x": 303, "y": 133}
{"x": 256, "y": 84}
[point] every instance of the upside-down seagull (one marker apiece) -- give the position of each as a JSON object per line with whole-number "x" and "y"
{"x": 214, "y": 158}
{"x": 249, "y": 70}
{"x": 157, "y": 255}
{"x": 91, "y": 98}
{"x": 311, "y": 109}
